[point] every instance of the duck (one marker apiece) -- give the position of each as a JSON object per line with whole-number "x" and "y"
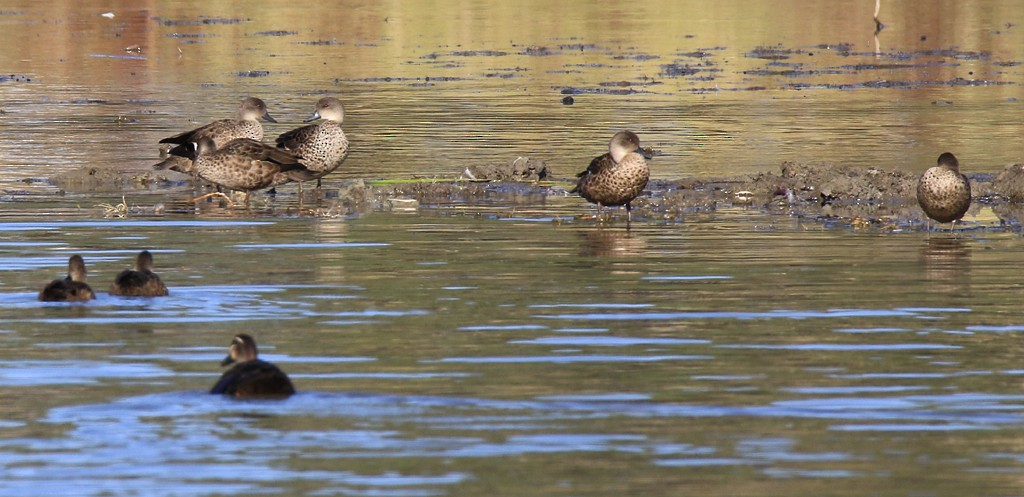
{"x": 617, "y": 177}
{"x": 320, "y": 147}
{"x": 141, "y": 281}
{"x": 245, "y": 165}
{"x": 247, "y": 125}
{"x": 942, "y": 192}
{"x": 251, "y": 376}
{"x": 73, "y": 288}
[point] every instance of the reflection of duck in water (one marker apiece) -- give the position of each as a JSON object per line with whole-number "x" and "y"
{"x": 611, "y": 243}
{"x": 942, "y": 192}
{"x": 246, "y": 126}
{"x": 73, "y": 288}
{"x": 946, "y": 261}
{"x": 251, "y": 376}
{"x": 617, "y": 177}
{"x": 140, "y": 282}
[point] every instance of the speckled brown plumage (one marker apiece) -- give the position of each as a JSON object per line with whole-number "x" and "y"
{"x": 73, "y": 288}
{"x": 221, "y": 132}
{"x": 141, "y": 281}
{"x": 942, "y": 192}
{"x": 246, "y": 165}
{"x": 321, "y": 147}
{"x": 617, "y": 177}
{"x": 251, "y": 376}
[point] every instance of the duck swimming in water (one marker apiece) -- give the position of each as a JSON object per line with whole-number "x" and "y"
{"x": 73, "y": 288}
{"x": 251, "y": 376}
{"x": 141, "y": 281}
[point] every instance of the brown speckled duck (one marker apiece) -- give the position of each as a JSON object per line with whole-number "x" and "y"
{"x": 73, "y": 288}
{"x": 246, "y": 126}
{"x": 321, "y": 147}
{"x": 141, "y": 281}
{"x": 942, "y": 192}
{"x": 246, "y": 165}
{"x": 617, "y": 177}
{"x": 251, "y": 376}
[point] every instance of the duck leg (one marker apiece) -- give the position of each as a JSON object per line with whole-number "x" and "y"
{"x": 214, "y": 194}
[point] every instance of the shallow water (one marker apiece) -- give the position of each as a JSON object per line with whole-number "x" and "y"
{"x": 730, "y": 354}
{"x": 512, "y": 347}
{"x": 431, "y": 89}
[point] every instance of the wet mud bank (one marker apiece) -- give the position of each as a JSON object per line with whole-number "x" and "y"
{"x": 827, "y": 193}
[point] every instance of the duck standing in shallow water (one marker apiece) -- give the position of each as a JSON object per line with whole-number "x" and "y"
{"x": 140, "y": 282}
{"x": 617, "y": 177}
{"x": 245, "y": 165}
{"x": 320, "y": 147}
{"x": 251, "y": 376}
{"x": 246, "y": 126}
{"x": 73, "y": 288}
{"x": 942, "y": 192}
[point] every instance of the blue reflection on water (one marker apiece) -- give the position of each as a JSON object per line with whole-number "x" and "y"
{"x": 36, "y": 373}
{"x": 208, "y": 442}
{"x": 771, "y": 314}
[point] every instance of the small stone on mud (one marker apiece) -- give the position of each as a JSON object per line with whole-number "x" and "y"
{"x": 518, "y": 169}
{"x": 353, "y": 193}
{"x": 1009, "y": 184}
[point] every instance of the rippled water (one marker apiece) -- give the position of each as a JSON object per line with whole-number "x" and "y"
{"x": 499, "y": 347}
{"x": 708, "y": 355}
{"x": 430, "y": 89}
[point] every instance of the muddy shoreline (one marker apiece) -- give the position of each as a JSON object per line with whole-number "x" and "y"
{"x": 832, "y": 194}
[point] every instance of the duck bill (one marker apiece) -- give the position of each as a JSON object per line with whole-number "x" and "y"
{"x": 314, "y": 117}
{"x": 266, "y": 116}
{"x": 644, "y": 153}
{"x": 227, "y": 360}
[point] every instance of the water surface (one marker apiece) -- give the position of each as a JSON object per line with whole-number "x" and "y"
{"x": 511, "y": 346}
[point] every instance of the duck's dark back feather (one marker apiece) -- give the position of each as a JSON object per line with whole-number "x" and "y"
{"x": 138, "y": 284}
{"x": 214, "y": 130}
{"x": 598, "y": 164}
{"x": 254, "y": 378}
{"x": 66, "y": 290}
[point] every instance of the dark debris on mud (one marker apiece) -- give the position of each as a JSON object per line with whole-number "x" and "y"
{"x": 200, "y": 21}
{"x": 773, "y": 53}
{"x": 275, "y": 33}
{"x": 321, "y": 42}
{"x": 16, "y": 78}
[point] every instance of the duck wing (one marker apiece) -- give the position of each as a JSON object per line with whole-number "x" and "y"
{"x": 597, "y": 165}
{"x": 297, "y": 137}
{"x": 212, "y": 130}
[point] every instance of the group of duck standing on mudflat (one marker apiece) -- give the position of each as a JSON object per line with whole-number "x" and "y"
{"x": 230, "y": 153}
